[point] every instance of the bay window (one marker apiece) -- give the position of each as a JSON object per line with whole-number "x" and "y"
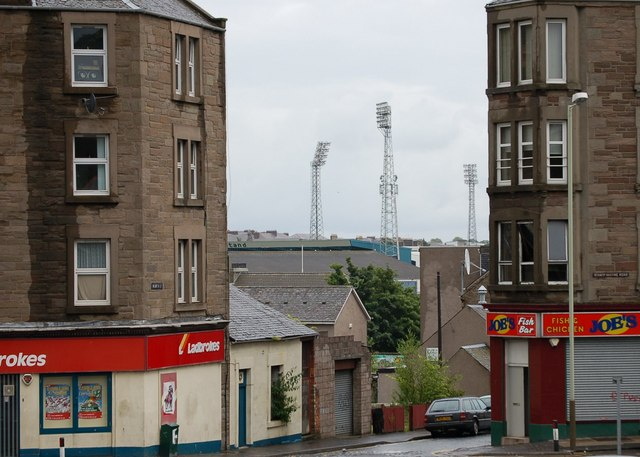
{"x": 557, "y": 252}
{"x": 525, "y": 52}
{"x": 556, "y": 152}
{"x": 556, "y": 51}
{"x": 526, "y": 251}
{"x": 505, "y": 259}
{"x": 525, "y": 153}
{"x": 503, "y": 55}
{"x": 503, "y": 155}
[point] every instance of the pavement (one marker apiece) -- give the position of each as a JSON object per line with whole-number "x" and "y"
{"x": 584, "y": 446}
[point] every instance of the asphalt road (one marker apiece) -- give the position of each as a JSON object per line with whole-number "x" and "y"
{"x": 445, "y": 446}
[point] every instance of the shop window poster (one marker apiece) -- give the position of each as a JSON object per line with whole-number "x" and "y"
{"x": 90, "y": 401}
{"x": 57, "y": 404}
{"x": 169, "y": 398}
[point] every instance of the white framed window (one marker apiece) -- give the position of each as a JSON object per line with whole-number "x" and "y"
{"x": 188, "y": 166}
{"x": 556, "y": 51}
{"x": 177, "y": 63}
{"x": 92, "y": 273}
{"x": 186, "y": 71}
{"x": 525, "y": 153}
{"x": 526, "y": 251}
{"x": 194, "y": 164}
{"x": 505, "y": 253}
{"x": 556, "y": 152}
{"x": 557, "y": 253}
{"x": 503, "y": 55}
{"x": 90, "y": 164}
{"x": 525, "y": 52}
{"x": 191, "y": 68}
{"x": 180, "y": 273}
{"x": 189, "y": 268}
{"x": 181, "y": 145}
{"x": 194, "y": 270}
{"x": 89, "y": 55}
{"x": 503, "y": 155}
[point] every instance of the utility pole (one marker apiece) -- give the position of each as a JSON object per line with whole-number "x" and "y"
{"x": 389, "y": 243}
{"x": 320, "y": 158}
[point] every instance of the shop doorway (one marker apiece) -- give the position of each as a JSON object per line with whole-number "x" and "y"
{"x": 517, "y": 388}
{"x": 242, "y": 407}
{"x": 9, "y": 416}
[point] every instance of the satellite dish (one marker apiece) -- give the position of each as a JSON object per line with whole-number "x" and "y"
{"x": 90, "y": 103}
{"x": 467, "y": 261}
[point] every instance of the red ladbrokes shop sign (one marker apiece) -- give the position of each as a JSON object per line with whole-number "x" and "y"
{"x": 65, "y": 355}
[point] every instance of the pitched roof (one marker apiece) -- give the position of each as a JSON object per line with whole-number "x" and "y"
{"x": 179, "y": 10}
{"x": 282, "y": 280}
{"x": 255, "y": 321}
{"x": 318, "y": 261}
{"x": 480, "y": 352}
{"x": 312, "y": 305}
{"x": 481, "y": 310}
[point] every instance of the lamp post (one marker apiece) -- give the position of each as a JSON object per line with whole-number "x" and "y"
{"x": 576, "y": 99}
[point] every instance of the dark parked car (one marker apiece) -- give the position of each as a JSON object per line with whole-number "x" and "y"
{"x": 487, "y": 400}
{"x": 460, "y": 414}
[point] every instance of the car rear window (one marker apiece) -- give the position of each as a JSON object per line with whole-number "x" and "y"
{"x": 443, "y": 406}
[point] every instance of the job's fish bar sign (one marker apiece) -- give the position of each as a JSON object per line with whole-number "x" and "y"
{"x": 512, "y": 324}
{"x": 592, "y": 324}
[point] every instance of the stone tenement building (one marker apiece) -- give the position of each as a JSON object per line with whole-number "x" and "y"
{"x": 113, "y": 270}
{"x": 561, "y": 71}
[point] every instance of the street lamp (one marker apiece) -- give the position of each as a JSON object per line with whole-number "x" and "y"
{"x": 576, "y": 99}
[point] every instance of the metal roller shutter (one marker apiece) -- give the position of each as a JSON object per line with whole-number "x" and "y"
{"x": 9, "y": 416}
{"x": 597, "y": 361}
{"x": 344, "y": 402}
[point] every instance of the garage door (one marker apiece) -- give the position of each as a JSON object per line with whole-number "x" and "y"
{"x": 344, "y": 402}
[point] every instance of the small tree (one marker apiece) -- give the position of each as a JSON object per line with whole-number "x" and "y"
{"x": 419, "y": 379}
{"x": 283, "y": 404}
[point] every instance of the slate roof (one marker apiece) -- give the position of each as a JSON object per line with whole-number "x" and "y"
{"x": 255, "y": 321}
{"x": 179, "y": 10}
{"x": 479, "y": 352}
{"x": 282, "y": 280}
{"x": 318, "y": 261}
{"x": 480, "y": 310}
{"x": 312, "y": 305}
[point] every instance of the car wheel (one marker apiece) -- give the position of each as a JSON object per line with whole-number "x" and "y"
{"x": 475, "y": 428}
{"x": 435, "y": 434}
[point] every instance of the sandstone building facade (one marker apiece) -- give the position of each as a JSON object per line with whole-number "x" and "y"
{"x": 540, "y": 54}
{"x": 113, "y": 252}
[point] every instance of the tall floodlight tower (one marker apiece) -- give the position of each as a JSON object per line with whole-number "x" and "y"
{"x": 320, "y": 158}
{"x": 471, "y": 179}
{"x": 389, "y": 244}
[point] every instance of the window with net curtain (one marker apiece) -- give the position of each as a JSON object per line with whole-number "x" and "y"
{"x": 92, "y": 272}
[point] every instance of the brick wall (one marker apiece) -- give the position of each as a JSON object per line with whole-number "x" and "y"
{"x": 328, "y": 350}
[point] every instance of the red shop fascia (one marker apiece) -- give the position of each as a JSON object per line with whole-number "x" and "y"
{"x": 547, "y": 334}
{"x": 111, "y": 353}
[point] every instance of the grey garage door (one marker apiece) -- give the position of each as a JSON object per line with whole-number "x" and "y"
{"x": 344, "y": 402}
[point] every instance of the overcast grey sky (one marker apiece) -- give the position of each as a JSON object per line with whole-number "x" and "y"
{"x": 303, "y": 71}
